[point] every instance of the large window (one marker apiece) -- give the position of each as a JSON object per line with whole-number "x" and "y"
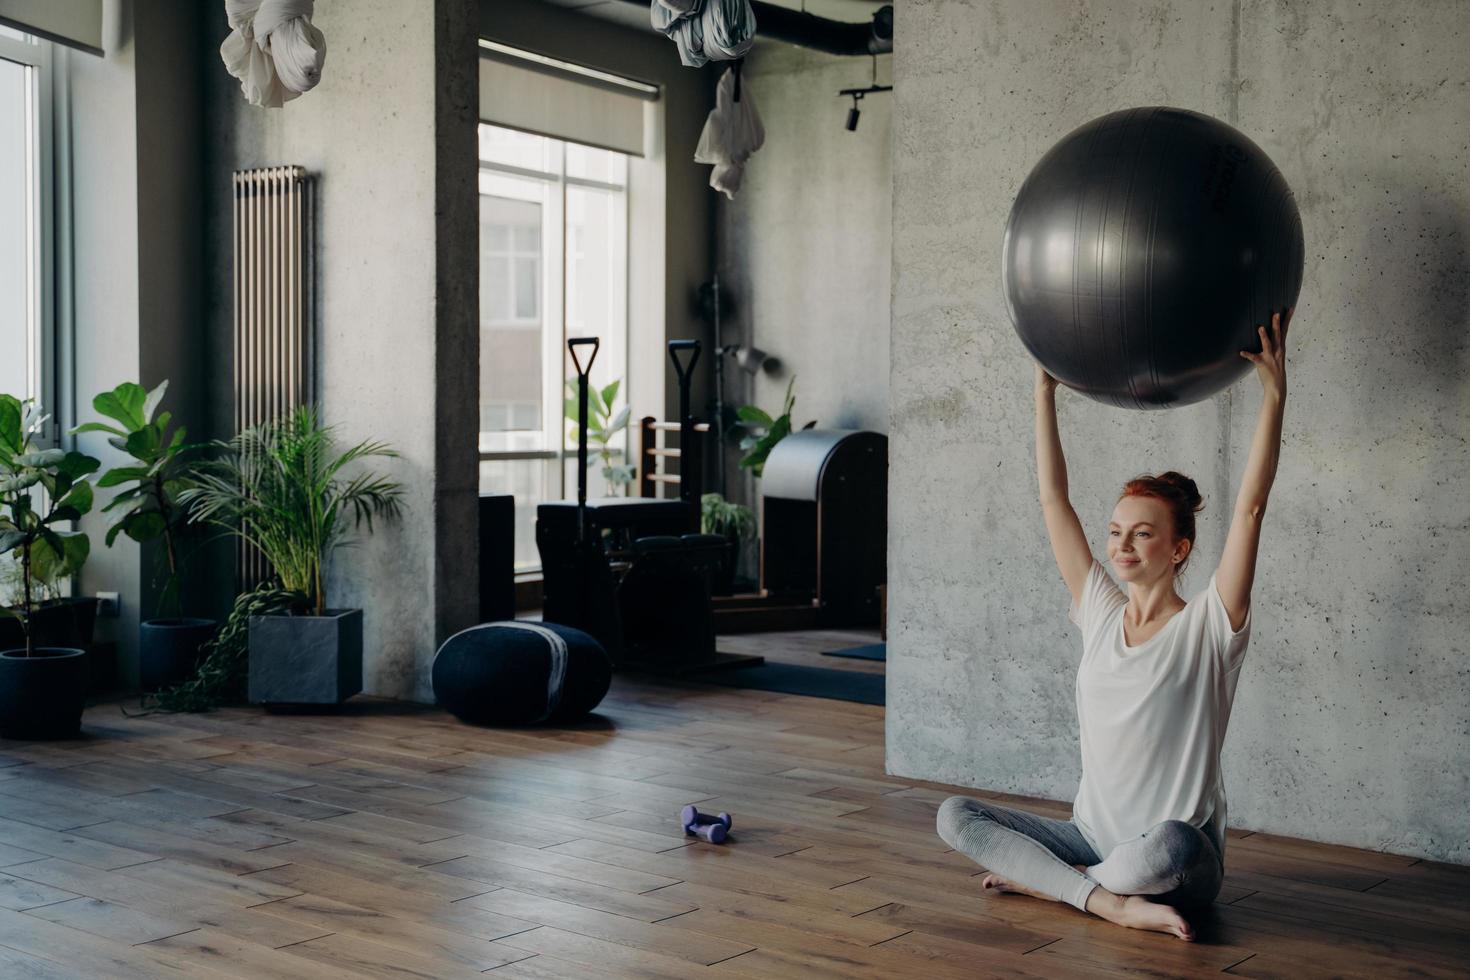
{"x": 553, "y": 265}
{"x": 26, "y": 308}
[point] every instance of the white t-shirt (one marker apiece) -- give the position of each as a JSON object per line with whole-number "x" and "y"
{"x": 1153, "y": 717}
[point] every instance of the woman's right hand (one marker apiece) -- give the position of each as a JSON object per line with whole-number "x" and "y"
{"x": 1044, "y": 382}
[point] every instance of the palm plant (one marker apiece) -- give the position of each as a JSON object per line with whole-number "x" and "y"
{"x": 281, "y": 487}
{"x": 730, "y": 520}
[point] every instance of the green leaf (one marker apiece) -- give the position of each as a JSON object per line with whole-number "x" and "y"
{"x": 150, "y": 403}
{"x": 611, "y": 392}
{"x": 12, "y": 434}
{"x": 128, "y": 498}
{"x": 59, "y": 554}
{"x": 619, "y": 423}
{"x": 78, "y": 498}
{"x": 125, "y": 403}
{"x": 10, "y": 540}
{"x": 41, "y": 459}
{"x": 144, "y": 442}
{"x": 76, "y": 465}
{"x": 749, "y": 413}
{"x": 98, "y": 427}
{"x": 144, "y": 525}
{"x": 122, "y": 474}
{"x": 21, "y": 481}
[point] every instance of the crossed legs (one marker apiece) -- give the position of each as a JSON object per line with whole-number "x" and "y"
{"x": 1139, "y": 884}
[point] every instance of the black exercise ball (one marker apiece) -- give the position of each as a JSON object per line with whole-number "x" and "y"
{"x": 520, "y": 674}
{"x": 1142, "y": 252}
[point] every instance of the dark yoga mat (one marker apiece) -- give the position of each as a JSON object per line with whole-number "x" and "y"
{"x": 873, "y": 651}
{"x": 817, "y": 682}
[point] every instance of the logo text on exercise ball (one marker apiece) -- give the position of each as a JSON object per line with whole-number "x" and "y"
{"x": 1220, "y": 174}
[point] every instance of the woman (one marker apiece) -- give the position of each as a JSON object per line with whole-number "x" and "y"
{"x": 1154, "y": 691}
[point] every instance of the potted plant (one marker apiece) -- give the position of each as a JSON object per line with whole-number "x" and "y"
{"x": 42, "y": 686}
{"x": 283, "y": 488}
{"x": 766, "y": 431}
{"x": 147, "y": 509}
{"x": 602, "y": 428}
{"x": 736, "y": 524}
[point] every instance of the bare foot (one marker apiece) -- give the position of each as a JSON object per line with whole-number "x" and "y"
{"x": 995, "y": 883}
{"x": 1137, "y": 911}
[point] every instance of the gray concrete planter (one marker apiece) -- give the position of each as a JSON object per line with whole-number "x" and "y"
{"x": 306, "y": 659}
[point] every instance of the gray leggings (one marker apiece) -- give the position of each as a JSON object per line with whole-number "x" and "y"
{"x": 1173, "y": 863}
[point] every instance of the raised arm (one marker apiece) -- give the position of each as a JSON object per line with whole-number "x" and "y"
{"x": 1068, "y": 542}
{"x": 1238, "y": 563}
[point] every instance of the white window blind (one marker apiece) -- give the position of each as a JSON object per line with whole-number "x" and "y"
{"x": 75, "y": 23}
{"x": 534, "y": 95}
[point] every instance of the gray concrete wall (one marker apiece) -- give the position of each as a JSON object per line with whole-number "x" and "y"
{"x": 170, "y": 126}
{"x": 389, "y": 134}
{"x": 106, "y": 293}
{"x": 805, "y": 248}
{"x": 137, "y": 282}
{"x": 1352, "y": 719}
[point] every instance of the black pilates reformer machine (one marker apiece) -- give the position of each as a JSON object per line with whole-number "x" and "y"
{"x": 634, "y": 572}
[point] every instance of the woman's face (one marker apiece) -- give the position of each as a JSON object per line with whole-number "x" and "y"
{"x": 1141, "y": 544}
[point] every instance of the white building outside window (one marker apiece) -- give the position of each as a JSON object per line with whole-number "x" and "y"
{"x": 27, "y": 310}
{"x": 553, "y": 265}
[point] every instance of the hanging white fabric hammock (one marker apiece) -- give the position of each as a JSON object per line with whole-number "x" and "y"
{"x": 273, "y": 49}
{"x": 705, "y": 30}
{"x": 731, "y": 134}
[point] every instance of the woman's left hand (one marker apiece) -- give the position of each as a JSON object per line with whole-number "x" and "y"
{"x": 1271, "y": 361}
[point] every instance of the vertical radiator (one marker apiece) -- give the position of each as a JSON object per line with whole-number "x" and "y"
{"x": 272, "y": 305}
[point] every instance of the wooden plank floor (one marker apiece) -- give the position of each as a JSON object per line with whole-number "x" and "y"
{"x": 392, "y": 841}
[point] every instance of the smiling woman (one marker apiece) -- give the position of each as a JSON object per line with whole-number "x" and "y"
{"x": 1155, "y": 688}
{"x": 1162, "y": 509}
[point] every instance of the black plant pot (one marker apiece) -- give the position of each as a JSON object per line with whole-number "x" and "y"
{"x": 168, "y": 651}
{"x": 42, "y": 696}
{"x": 724, "y": 583}
{"x": 67, "y": 622}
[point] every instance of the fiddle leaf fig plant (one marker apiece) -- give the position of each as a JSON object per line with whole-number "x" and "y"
{"x": 766, "y": 431}
{"x": 29, "y": 527}
{"x": 602, "y": 428}
{"x": 147, "y": 508}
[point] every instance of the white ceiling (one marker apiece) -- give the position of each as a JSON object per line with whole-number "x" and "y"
{"x": 629, "y": 15}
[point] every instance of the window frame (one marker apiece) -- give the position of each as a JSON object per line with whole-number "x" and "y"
{"x": 40, "y": 56}
{"x": 555, "y": 267}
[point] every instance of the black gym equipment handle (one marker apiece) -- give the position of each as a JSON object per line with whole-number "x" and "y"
{"x": 686, "y": 421}
{"x": 582, "y": 373}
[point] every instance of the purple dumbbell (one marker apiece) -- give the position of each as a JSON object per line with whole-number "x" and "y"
{"x": 704, "y": 826}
